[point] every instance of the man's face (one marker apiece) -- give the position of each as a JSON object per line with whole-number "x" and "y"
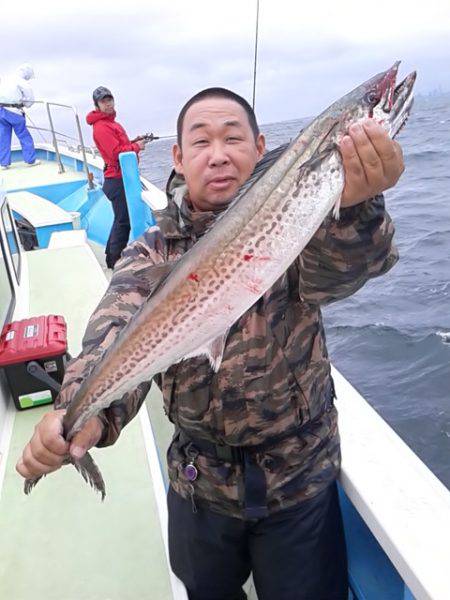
{"x": 106, "y": 105}
{"x": 218, "y": 152}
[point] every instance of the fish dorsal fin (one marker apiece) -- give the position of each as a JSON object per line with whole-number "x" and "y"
{"x": 213, "y": 351}
{"x": 261, "y": 167}
{"x": 156, "y": 274}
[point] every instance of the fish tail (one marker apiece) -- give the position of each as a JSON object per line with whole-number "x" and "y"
{"x": 87, "y": 469}
{"x": 30, "y": 483}
{"x": 90, "y": 473}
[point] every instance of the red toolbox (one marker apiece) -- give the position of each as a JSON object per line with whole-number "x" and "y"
{"x": 33, "y": 355}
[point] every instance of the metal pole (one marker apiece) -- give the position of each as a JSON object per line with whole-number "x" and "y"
{"x": 86, "y": 168}
{"x": 55, "y": 143}
{"x": 256, "y": 53}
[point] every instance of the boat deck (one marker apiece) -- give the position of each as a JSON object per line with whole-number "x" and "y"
{"x": 46, "y": 173}
{"x": 62, "y": 542}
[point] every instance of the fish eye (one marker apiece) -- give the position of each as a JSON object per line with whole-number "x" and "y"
{"x": 372, "y": 98}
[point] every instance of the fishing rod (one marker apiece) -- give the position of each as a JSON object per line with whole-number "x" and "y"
{"x": 146, "y": 137}
{"x": 149, "y": 137}
{"x": 256, "y": 53}
{"x": 27, "y": 116}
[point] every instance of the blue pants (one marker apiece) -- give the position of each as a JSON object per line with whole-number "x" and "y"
{"x": 8, "y": 121}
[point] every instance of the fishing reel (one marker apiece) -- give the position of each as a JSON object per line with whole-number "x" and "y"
{"x": 147, "y": 137}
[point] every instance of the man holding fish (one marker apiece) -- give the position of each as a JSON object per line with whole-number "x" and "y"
{"x": 255, "y": 455}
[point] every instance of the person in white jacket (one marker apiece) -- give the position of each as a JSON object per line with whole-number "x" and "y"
{"x": 15, "y": 95}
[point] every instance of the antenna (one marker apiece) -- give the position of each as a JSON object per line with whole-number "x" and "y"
{"x": 256, "y": 53}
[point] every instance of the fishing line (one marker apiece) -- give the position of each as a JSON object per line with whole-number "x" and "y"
{"x": 37, "y": 128}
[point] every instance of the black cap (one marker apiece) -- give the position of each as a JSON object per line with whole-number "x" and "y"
{"x": 100, "y": 93}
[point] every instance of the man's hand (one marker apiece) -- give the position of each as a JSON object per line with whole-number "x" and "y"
{"x": 372, "y": 162}
{"x": 47, "y": 448}
{"x": 140, "y": 140}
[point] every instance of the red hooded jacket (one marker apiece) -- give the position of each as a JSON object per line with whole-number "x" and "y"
{"x": 111, "y": 139}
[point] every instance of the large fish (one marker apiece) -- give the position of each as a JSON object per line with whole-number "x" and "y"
{"x": 250, "y": 246}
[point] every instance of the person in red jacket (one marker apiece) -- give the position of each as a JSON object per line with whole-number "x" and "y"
{"x": 111, "y": 139}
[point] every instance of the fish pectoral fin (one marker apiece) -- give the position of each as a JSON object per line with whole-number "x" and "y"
{"x": 318, "y": 158}
{"x": 214, "y": 351}
{"x": 337, "y": 208}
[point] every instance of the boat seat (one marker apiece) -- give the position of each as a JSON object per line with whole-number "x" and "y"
{"x": 45, "y": 216}
{"x": 68, "y": 239}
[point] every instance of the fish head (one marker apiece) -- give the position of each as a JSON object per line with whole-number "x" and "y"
{"x": 379, "y": 98}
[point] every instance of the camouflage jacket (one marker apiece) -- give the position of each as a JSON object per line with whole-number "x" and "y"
{"x": 275, "y": 373}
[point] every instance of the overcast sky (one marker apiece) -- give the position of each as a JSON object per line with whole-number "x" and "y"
{"x": 154, "y": 55}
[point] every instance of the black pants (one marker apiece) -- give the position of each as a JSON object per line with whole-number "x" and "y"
{"x": 296, "y": 554}
{"x": 120, "y": 230}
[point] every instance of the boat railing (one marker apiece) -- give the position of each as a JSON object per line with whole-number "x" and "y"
{"x": 70, "y": 142}
{"x": 80, "y": 147}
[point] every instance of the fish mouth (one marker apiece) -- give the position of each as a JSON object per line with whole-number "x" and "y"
{"x": 396, "y": 100}
{"x": 403, "y": 100}
{"x": 403, "y": 91}
{"x": 387, "y": 87}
